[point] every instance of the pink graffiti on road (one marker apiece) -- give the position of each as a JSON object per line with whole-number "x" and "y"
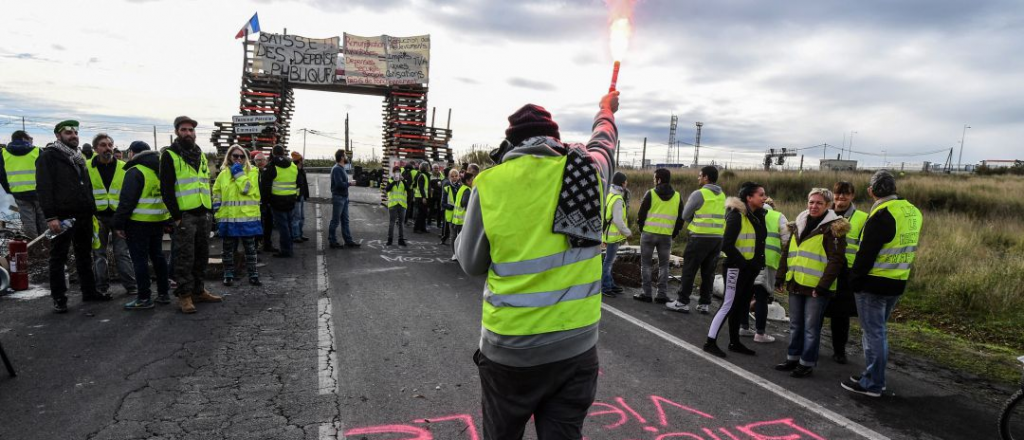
{"x": 611, "y": 419}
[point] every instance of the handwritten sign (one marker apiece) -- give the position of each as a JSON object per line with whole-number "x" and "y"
{"x": 386, "y": 60}
{"x": 298, "y": 59}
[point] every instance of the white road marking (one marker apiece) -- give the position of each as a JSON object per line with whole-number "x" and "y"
{"x": 813, "y": 407}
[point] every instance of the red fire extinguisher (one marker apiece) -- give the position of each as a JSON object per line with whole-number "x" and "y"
{"x": 17, "y": 250}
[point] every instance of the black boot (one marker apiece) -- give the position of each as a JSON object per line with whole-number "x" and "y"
{"x": 737, "y": 347}
{"x": 802, "y": 371}
{"x": 712, "y": 347}
{"x": 787, "y": 366}
{"x": 60, "y": 305}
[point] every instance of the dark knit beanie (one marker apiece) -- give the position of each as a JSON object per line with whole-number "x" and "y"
{"x": 529, "y": 121}
{"x": 138, "y": 147}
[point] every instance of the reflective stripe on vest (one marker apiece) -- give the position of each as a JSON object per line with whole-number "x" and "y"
{"x": 106, "y": 198}
{"x": 611, "y": 232}
{"x": 96, "y": 243}
{"x": 459, "y": 214}
{"x": 537, "y": 283}
{"x": 857, "y": 221}
{"x": 236, "y": 207}
{"x": 807, "y": 261}
{"x": 21, "y": 170}
{"x": 191, "y": 186}
{"x": 709, "y": 220}
{"x": 397, "y": 196}
{"x": 747, "y": 239}
{"x": 286, "y": 181}
{"x": 151, "y": 206}
{"x": 897, "y": 257}
{"x": 773, "y": 243}
{"x": 661, "y": 217}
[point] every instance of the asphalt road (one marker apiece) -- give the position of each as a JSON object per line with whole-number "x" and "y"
{"x": 375, "y": 343}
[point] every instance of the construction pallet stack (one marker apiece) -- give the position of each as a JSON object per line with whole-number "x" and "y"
{"x": 406, "y": 133}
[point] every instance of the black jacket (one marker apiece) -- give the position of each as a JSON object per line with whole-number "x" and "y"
{"x": 303, "y": 184}
{"x": 879, "y": 230}
{"x": 134, "y": 182}
{"x": 735, "y": 209}
{"x": 64, "y": 188}
{"x": 167, "y": 179}
{"x": 277, "y": 203}
{"x": 664, "y": 192}
{"x": 17, "y": 148}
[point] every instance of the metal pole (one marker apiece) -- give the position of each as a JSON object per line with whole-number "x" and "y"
{"x": 962, "y": 137}
{"x": 643, "y": 157}
{"x": 304, "y": 131}
{"x": 849, "y": 153}
{"x": 618, "y": 148}
{"x": 154, "y": 138}
{"x": 22, "y": 123}
{"x": 347, "y": 144}
{"x": 843, "y": 147}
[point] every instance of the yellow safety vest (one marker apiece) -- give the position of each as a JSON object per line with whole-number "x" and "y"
{"x": 709, "y": 220}
{"x": 459, "y": 214}
{"x": 449, "y": 213}
{"x": 537, "y": 282}
{"x": 746, "y": 241}
{"x": 106, "y": 197}
{"x": 191, "y": 186}
{"x": 661, "y": 217}
{"x": 21, "y": 170}
{"x": 421, "y": 184}
{"x": 286, "y": 181}
{"x": 611, "y": 232}
{"x": 397, "y": 196}
{"x": 236, "y": 207}
{"x": 773, "y": 244}
{"x": 896, "y": 258}
{"x": 151, "y": 206}
{"x": 807, "y": 261}
{"x": 857, "y": 221}
{"x": 96, "y": 243}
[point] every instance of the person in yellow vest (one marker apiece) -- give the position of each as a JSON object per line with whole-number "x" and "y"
{"x": 616, "y": 231}
{"x": 448, "y": 191}
{"x": 812, "y": 263}
{"x": 660, "y": 220}
{"x": 18, "y": 178}
{"x": 705, "y": 213}
{"x": 775, "y": 221}
{"x": 743, "y": 243}
{"x": 888, "y": 248}
{"x": 107, "y": 176}
{"x": 842, "y": 307}
{"x": 411, "y": 172}
{"x": 236, "y": 204}
{"x": 141, "y": 218}
{"x": 534, "y": 226}
{"x": 185, "y": 189}
{"x": 280, "y": 180}
{"x": 421, "y": 188}
{"x": 462, "y": 203}
{"x": 398, "y": 202}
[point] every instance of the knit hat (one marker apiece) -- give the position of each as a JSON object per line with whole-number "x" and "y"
{"x": 529, "y": 121}
{"x": 183, "y": 119}
{"x": 296, "y": 156}
{"x": 138, "y": 147}
{"x": 70, "y": 123}
{"x": 619, "y": 178}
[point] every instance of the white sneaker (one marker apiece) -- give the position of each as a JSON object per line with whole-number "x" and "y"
{"x": 764, "y": 339}
{"x": 747, "y": 332}
{"x": 677, "y": 306}
{"x": 703, "y": 308}
{"x": 454, "y": 258}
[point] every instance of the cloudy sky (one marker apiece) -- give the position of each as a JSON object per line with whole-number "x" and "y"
{"x": 905, "y": 76}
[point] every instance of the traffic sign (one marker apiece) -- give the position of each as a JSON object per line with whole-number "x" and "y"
{"x": 253, "y": 119}
{"x": 250, "y": 129}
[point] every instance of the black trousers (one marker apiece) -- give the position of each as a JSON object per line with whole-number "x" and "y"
{"x": 700, "y": 254}
{"x": 267, "y": 219}
{"x": 557, "y": 395}
{"x": 78, "y": 237}
{"x": 421, "y": 215}
{"x": 840, "y": 333}
{"x": 739, "y": 288}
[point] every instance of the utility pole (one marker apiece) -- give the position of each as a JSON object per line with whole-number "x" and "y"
{"x": 696, "y": 146}
{"x": 849, "y": 151}
{"x": 801, "y": 164}
{"x": 962, "y": 137}
{"x": 304, "y": 132}
{"x": 671, "y": 138}
{"x": 347, "y": 144}
{"x": 643, "y": 157}
{"x": 154, "y": 138}
{"x": 618, "y": 149}
{"x": 22, "y": 123}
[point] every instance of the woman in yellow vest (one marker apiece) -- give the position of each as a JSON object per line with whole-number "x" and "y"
{"x": 462, "y": 202}
{"x": 398, "y": 202}
{"x": 448, "y": 191}
{"x": 842, "y": 307}
{"x": 811, "y": 266}
{"x": 616, "y": 231}
{"x": 236, "y": 206}
{"x": 743, "y": 243}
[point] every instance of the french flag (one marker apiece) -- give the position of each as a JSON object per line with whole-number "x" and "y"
{"x": 252, "y": 27}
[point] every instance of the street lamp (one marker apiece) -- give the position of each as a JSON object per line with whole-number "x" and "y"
{"x": 962, "y": 136}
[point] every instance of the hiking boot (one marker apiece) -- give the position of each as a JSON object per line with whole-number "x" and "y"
{"x": 661, "y": 299}
{"x": 840, "y": 358}
{"x": 737, "y": 347}
{"x": 712, "y": 347}
{"x": 60, "y": 305}
{"x": 163, "y": 299}
{"x": 186, "y": 304}
{"x": 677, "y": 306}
{"x": 97, "y": 297}
{"x": 747, "y": 332}
{"x": 703, "y": 309}
{"x": 854, "y": 387}
{"x": 206, "y": 297}
{"x": 764, "y": 338}
{"x": 801, "y": 371}
{"x": 139, "y": 304}
{"x": 642, "y": 297}
{"x": 787, "y": 366}
{"x": 388, "y": 243}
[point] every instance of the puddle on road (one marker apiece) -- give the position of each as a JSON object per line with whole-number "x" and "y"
{"x": 31, "y": 293}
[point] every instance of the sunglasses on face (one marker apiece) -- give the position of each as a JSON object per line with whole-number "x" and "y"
{"x": 238, "y": 156}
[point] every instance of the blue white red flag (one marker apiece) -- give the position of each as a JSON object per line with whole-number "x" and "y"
{"x": 252, "y": 27}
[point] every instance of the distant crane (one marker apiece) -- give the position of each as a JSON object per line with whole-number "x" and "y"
{"x": 778, "y": 156}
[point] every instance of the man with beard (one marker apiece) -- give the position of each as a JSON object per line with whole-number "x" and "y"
{"x": 107, "y": 175}
{"x": 18, "y": 177}
{"x": 65, "y": 195}
{"x": 279, "y": 180}
{"x": 185, "y": 188}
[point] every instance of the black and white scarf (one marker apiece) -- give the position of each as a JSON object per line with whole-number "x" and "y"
{"x": 73, "y": 155}
{"x": 578, "y": 215}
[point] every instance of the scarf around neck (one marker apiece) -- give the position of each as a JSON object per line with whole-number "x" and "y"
{"x": 74, "y": 155}
{"x": 578, "y": 215}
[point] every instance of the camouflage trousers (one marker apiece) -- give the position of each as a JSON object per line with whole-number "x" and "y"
{"x": 191, "y": 250}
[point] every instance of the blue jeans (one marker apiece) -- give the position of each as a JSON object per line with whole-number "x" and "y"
{"x": 145, "y": 242}
{"x": 805, "y": 315}
{"x": 298, "y": 218}
{"x": 339, "y": 214}
{"x": 874, "y": 311}
{"x": 607, "y": 281}
{"x": 283, "y": 223}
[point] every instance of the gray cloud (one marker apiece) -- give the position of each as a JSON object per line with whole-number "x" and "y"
{"x": 530, "y": 84}
{"x": 58, "y": 47}
{"x": 465, "y": 80}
